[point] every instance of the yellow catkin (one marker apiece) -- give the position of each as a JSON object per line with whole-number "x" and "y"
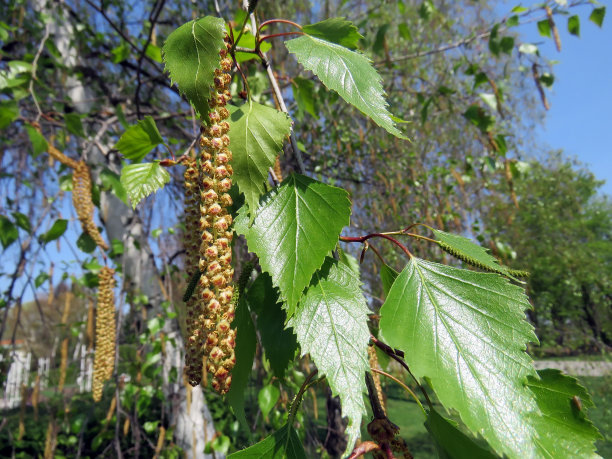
{"x": 50, "y": 440}
{"x": 160, "y": 442}
{"x": 376, "y": 377}
{"x": 216, "y": 291}
{"x": 61, "y": 157}
{"x": 90, "y": 325}
{"x": 126, "y": 427}
{"x": 22, "y": 409}
{"x": 210, "y": 315}
{"x": 64, "y": 348}
{"x": 35, "y": 395}
{"x": 81, "y": 198}
{"x": 104, "y": 359}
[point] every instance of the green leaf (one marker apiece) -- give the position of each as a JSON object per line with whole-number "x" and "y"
{"x": 58, "y": 228}
{"x": 112, "y": 181}
{"x": 248, "y": 41}
{"x": 8, "y": 232}
{"x": 9, "y": 111}
{"x": 22, "y": 221}
{"x": 466, "y": 333}
{"x": 154, "y": 52}
{"x": 387, "y": 276}
{"x": 347, "y": 72}
{"x": 597, "y": 15}
{"x": 335, "y": 30}
{"x": 246, "y": 342}
{"x": 466, "y": 250}
{"x": 120, "y": 53}
{"x": 451, "y": 442}
{"x": 295, "y": 227}
{"x": 404, "y": 31}
{"x": 191, "y": 55}
{"x": 563, "y": 427}
{"x": 489, "y": 99}
{"x": 304, "y": 95}
{"x": 86, "y": 243}
{"x": 278, "y": 342}
{"x": 528, "y": 48}
{"x": 139, "y": 140}
{"x": 267, "y": 398}
{"x": 331, "y": 325}
{"x": 544, "y": 28}
{"x": 140, "y": 180}
{"x": 41, "y": 279}
{"x": 282, "y": 444}
{"x": 74, "y": 124}
{"x": 256, "y": 136}
{"x": 39, "y": 144}
{"x": 573, "y": 25}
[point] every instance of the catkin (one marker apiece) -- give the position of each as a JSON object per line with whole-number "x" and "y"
{"x": 210, "y": 315}
{"x": 104, "y": 359}
{"x": 81, "y": 198}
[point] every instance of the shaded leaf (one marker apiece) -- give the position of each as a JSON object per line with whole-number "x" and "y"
{"x": 248, "y": 41}
{"x": 22, "y": 221}
{"x": 267, "y": 398}
{"x": 57, "y": 229}
{"x": 282, "y": 444}
{"x": 597, "y": 15}
{"x": 140, "y": 180}
{"x": 304, "y": 95}
{"x": 139, "y": 140}
{"x": 278, "y": 342}
{"x": 86, "y": 243}
{"x": 573, "y": 25}
{"x": 39, "y": 144}
{"x": 9, "y": 111}
{"x": 112, "y": 181}
{"x": 74, "y": 124}
{"x": 331, "y": 325}
{"x": 295, "y": 227}
{"x": 451, "y": 442}
{"x": 466, "y": 333}
{"x": 387, "y": 276}
{"x": 563, "y": 427}
{"x": 347, "y": 72}
{"x": 246, "y": 342}
{"x": 256, "y": 135}
{"x": 191, "y": 55}
{"x": 8, "y": 232}
{"x": 336, "y": 30}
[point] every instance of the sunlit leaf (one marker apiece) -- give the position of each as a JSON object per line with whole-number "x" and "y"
{"x": 282, "y": 444}
{"x": 139, "y": 139}
{"x": 140, "y": 180}
{"x": 336, "y": 30}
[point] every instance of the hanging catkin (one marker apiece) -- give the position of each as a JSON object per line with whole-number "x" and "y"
{"x": 81, "y": 198}
{"x": 104, "y": 360}
{"x": 210, "y": 333}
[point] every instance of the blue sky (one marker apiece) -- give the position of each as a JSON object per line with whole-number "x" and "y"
{"x": 580, "y": 117}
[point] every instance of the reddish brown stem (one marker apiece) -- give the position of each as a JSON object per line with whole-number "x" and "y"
{"x": 363, "y": 239}
{"x": 276, "y": 21}
{"x": 274, "y": 35}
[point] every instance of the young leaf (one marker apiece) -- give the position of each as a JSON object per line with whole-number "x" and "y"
{"x": 281, "y": 444}
{"x": 336, "y": 30}
{"x": 139, "y": 140}
{"x": 563, "y": 427}
{"x": 331, "y": 325}
{"x": 278, "y": 342}
{"x": 140, "y": 180}
{"x": 466, "y": 333}
{"x": 191, "y": 55}
{"x": 465, "y": 250}
{"x": 347, "y": 72}
{"x": 450, "y": 442}
{"x": 8, "y": 232}
{"x": 246, "y": 342}
{"x": 295, "y": 227}
{"x": 256, "y": 136}
{"x": 597, "y": 15}
{"x": 57, "y": 229}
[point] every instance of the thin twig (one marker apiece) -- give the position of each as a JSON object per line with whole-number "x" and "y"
{"x": 35, "y": 66}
